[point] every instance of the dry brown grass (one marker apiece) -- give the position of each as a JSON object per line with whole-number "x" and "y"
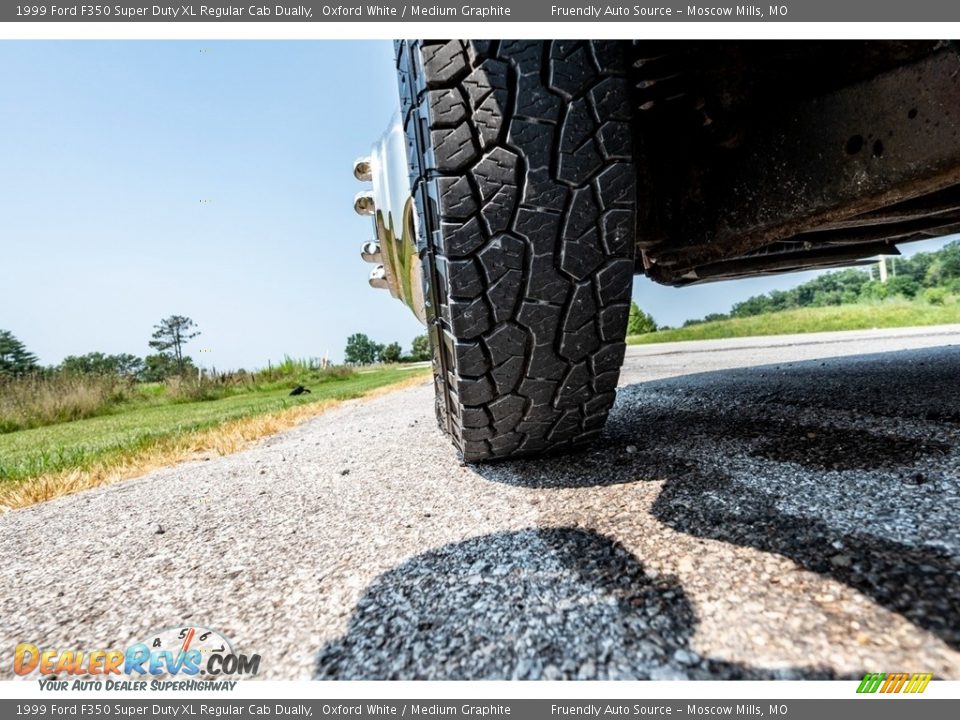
{"x": 34, "y": 401}
{"x": 227, "y": 438}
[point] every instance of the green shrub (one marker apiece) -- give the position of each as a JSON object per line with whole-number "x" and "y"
{"x": 935, "y": 295}
{"x": 639, "y": 322}
{"x": 874, "y": 290}
{"x": 905, "y": 286}
{"x": 189, "y": 388}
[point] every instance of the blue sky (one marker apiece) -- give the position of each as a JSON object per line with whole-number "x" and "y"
{"x": 210, "y": 179}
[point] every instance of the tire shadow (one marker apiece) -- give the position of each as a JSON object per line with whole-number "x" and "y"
{"x": 559, "y": 603}
{"x": 819, "y": 462}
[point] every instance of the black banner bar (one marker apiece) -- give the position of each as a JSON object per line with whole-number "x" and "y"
{"x": 399, "y": 11}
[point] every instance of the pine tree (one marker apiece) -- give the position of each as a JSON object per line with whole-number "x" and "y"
{"x": 14, "y": 357}
{"x": 171, "y": 335}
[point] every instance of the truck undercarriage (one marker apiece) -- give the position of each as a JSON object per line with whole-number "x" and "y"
{"x": 769, "y": 157}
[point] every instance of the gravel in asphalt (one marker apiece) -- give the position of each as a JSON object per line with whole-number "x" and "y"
{"x": 778, "y": 508}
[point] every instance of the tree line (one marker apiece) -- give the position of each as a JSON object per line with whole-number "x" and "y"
{"x": 361, "y": 350}
{"x": 928, "y": 276}
{"x": 168, "y": 339}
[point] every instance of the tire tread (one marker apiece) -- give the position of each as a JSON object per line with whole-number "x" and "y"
{"x": 521, "y": 168}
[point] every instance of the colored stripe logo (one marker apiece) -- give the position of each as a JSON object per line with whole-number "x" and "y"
{"x": 894, "y": 682}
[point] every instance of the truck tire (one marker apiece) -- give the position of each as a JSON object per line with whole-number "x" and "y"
{"x": 522, "y": 176}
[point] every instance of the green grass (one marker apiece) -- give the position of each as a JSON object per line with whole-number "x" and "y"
{"x": 75, "y": 445}
{"x": 807, "y": 320}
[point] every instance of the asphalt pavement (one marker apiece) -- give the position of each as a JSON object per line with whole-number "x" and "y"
{"x": 761, "y": 508}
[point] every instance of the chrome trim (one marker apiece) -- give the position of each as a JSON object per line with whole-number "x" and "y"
{"x": 363, "y": 203}
{"x": 370, "y": 252}
{"x": 378, "y": 279}
{"x": 361, "y": 169}
{"x": 391, "y": 205}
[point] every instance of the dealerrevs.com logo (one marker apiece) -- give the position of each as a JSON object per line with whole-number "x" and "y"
{"x": 203, "y": 658}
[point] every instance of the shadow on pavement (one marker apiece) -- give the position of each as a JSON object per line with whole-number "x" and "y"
{"x": 920, "y": 583}
{"x": 531, "y": 604}
{"x": 848, "y": 467}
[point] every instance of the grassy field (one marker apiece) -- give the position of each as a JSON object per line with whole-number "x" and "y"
{"x": 806, "y": 320}
{"x": 141, "y": 428}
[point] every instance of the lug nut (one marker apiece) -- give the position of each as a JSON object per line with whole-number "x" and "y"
{"x": 378, "y": 278}
{"x": 363, "y": 203}
{"x": 361, "y": 169}
{"x": 370, "y": 252}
